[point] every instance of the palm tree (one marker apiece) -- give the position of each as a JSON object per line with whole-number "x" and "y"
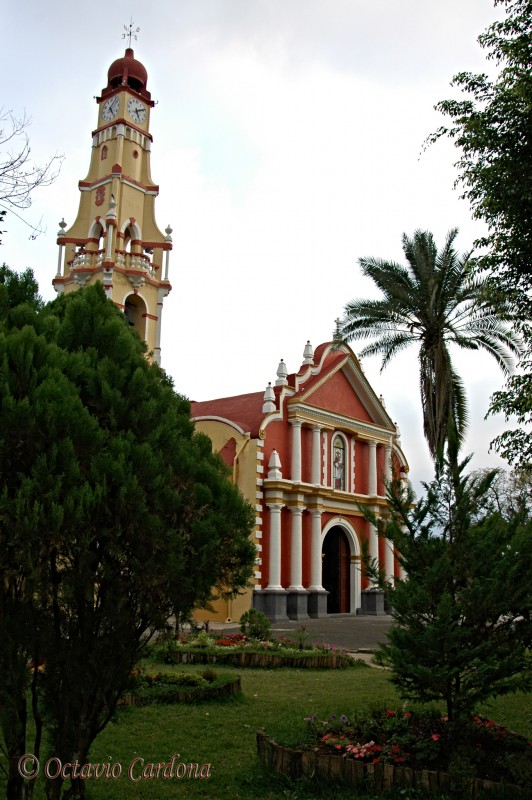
{"x": 434, "y": 301}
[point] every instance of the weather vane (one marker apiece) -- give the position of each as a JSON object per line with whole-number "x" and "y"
{"x": 130, "y": 33}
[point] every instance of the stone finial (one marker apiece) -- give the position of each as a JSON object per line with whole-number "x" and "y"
{"x": 168, "y": 231}
{"x": 62, "y": 226}
{"x": 397, "y": 433}
{"x": 111, "y": 214}
{"x": 282, "y": 374}
{"x": 274, "y": 466}
{"x": 308, "y": 353}
{"x": 269, "y": 400}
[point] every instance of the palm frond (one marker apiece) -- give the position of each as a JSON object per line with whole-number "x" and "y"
{"x": 460, "y": 417}
{"x": 437, "y": 299}
{"x": 388, "y": 347}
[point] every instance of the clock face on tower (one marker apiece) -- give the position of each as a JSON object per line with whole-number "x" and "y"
{"x": 110, "y": 109}
{"x": 136, "y": 110}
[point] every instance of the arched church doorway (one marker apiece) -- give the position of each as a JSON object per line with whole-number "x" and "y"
{"x": 336, "y": 559}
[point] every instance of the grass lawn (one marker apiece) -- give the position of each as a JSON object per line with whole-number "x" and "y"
{"x": 223, "y": 734}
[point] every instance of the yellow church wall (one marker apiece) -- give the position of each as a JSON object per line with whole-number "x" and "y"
{"x": 245, "y": 472}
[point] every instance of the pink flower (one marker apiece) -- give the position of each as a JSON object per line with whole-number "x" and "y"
{"x": 435, "y": 737}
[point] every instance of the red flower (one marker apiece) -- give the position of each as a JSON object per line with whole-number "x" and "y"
{"x": 435, "y": 737}
{"x": 390, "y": 713}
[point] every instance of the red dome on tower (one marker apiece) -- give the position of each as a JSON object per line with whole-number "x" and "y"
{"x": 127, "y": 71}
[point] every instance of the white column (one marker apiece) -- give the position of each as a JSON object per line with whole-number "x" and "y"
{"x": 167, "y": 239}
{"x": 388, "y": 463}
{"x": 275, "y": 545}
{"x": 315, "y": 551}
{"x": 110, "y": 234}
{"x": 60, "y": 257}
{"x": 352, "y": 465}
{"x": 372, "y": 468}
{"x": 296, "y": 450}
{"x": 60, "y": 262}
{"x": 389, "y": 561}
{"x": 373, "y": 545}
{"x": 296, "y": 551}
{"x": 325, "y": 439}
{"x": 402, "y": 572}
{"x": 158, "y": 324}
{"x": 316, "y": 455}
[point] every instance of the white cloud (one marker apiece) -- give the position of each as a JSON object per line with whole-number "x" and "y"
{"x": 287, "y": 143}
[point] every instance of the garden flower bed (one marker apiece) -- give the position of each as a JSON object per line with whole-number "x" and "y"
{"x": 398, "y": 748}
{"x": 179, "y": 687}
{"x": 242, "y": 651}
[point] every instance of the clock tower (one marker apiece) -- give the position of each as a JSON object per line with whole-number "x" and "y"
{"x": 115, "y": 239}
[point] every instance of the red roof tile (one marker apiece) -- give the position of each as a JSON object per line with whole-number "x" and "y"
{"x": 243, "y": 409}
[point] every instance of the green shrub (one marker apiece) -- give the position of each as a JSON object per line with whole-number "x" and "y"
{"x": 201, "y": 639}
{"x": 255, "y": 624}
{"x": 173, "y": 679}
{"x": 209, "y": 675}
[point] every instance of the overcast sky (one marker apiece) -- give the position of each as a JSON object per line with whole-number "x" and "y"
{"x": 288, "y": 142}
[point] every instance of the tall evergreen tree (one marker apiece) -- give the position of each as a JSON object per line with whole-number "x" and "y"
{"x": 491, "y": 125}
{"x": 114, "y": 514}
{"x": 433, "y": 302}
{"x": 463, "y": 615}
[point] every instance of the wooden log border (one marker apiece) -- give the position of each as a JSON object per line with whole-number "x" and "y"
{"x": 297, "y": 764}
{"x": 193, "y": 694}
{"x": 243, "y": 658}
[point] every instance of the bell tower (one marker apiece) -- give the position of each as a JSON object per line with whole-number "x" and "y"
{"x": 115, "y": 239}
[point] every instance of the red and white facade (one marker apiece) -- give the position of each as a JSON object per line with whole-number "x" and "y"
{"x": 316, "y": 448}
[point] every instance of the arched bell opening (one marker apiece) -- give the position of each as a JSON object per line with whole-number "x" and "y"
{"x": 135, "y": 314}
{"x": 128, "y": 237}
{"x": 131, "y": 237}
{"x": 96, "y": 240}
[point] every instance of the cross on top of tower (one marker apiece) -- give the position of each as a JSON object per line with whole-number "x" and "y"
{"x": 130, "y": 33}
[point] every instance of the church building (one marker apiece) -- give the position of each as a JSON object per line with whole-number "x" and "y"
{"x": 309, "y": 453}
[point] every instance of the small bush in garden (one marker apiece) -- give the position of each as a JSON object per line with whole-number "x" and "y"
{"x": 209, "y": 675}
{"x": 201, "y": 639}
{"x": 301, "y": 636}
{"x": 148, "y": 680}
{"x": 255, "y": 624}
{"x": 167, "y": 651}
{"x": 423, "y": 738}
